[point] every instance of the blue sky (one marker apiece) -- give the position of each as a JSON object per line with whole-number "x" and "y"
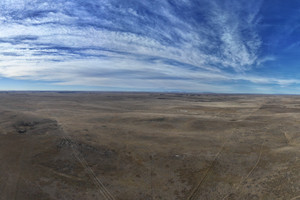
{"x": 232, "y": 46}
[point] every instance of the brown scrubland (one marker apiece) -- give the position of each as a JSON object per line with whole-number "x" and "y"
{"x": 131, "y": 146}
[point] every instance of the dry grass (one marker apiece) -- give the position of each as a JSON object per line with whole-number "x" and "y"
{"x": 148, "y": 146}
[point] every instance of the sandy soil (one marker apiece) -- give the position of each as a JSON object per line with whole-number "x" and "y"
{"x": 128, "y": 146}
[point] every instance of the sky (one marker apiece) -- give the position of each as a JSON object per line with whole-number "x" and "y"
{"x": 220, "y": 46}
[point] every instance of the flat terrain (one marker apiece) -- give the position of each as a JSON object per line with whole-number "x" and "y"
{"x": 131, "y": 146}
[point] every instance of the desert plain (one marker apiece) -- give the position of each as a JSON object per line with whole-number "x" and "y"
{"x": 146, "y": 146}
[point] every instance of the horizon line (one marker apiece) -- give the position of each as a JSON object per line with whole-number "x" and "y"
{"x": 128, "y": 91}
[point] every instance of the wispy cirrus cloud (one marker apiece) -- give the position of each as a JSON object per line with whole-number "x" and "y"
{"x": 145, "y": 43}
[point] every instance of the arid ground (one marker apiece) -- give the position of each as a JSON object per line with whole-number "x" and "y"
{"x": 132, "y": 146}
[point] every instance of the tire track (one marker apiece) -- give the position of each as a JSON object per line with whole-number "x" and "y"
{"x": 198, "y": 187}
{"x": 97, "y": 182}
{"x": 101, "y": 188}
{"x": 196, "y": 191}
{"x": 249, "y": 173}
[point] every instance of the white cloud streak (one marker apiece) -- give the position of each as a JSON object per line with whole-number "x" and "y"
{"x": 138, "y": 44}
